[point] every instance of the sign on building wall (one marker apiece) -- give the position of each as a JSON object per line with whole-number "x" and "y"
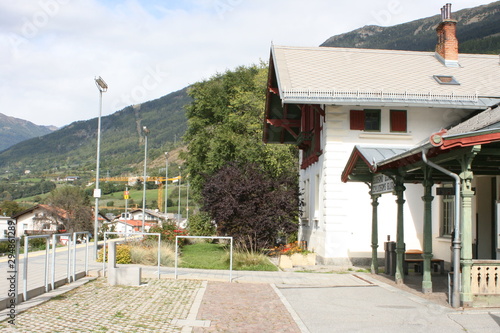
{"x": 382, "y": 184}
{"x": 445, "y": 191}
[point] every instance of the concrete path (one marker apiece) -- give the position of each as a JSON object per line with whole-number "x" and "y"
{"x": 205, "y": 301}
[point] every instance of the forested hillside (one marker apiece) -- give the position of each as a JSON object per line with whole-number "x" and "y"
{"x": 14, "y": 130}
{"x": 72, "y": 149}
{"x": 478, "y": 31}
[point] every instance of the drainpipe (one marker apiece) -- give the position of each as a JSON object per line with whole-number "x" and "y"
{"x": 455, "y": 300}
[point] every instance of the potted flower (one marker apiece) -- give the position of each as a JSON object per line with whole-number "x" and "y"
{"x": 292, "y": 254}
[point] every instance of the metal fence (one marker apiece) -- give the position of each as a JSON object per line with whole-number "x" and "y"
{"x": 130, "y": 234}
{"x": 15, "y": 258}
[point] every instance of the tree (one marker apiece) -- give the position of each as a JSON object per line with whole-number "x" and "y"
{"x": 251, "y": 205}
{"x": 9, "y": 208}
{"x": 46, "y": 186}
{"x": 76, "y": 203}
{"x": 200, "y": 224}
{"x": 106, "y": 227}
{"x": 225, "y": 124}
{"x": 6, "y": 196}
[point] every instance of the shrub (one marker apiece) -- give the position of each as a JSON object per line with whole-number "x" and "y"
{"x": 251, "y": 205}
{"x": 146, "y": 253}
{"x": 201, "y": 225}
{"x": 37, "y": 244}
{"x": 251, "y": 261}
{"x": 168, "y": 233}
{"x": 4, "y": 247}
{"x": 122, "y": 254}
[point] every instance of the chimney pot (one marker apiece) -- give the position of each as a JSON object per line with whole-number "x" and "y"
{"x": 448, "y": 11}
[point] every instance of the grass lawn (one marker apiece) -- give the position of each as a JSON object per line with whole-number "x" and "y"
{"x": 216, "y": 256}
{"x": 136, "y": 196}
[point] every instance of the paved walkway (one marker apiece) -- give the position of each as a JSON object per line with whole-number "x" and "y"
{"x": 205, "y": 301}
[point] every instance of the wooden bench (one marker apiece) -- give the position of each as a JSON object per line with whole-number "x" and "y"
{"x": 415, "y": 257}
{"x": 419, "y": 265}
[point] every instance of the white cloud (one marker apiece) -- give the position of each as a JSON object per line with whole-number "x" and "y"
{"x": 52, "y": 49}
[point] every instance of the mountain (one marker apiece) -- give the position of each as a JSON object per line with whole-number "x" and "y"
{"x": 478, "y": 31}
{"x": 14, "y": 130}
{"x": 72, "y": 149}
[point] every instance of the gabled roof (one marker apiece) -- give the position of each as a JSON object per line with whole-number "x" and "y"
{"x": 101, "y": 217}
{"x": 56, "y": 211}
{"x": 488, "y": 119}
{"x": 327, "y": 75}
{"x": 363, "y": 161}
{"x": 148, "y": 211}
{"x": 133, "y": 223}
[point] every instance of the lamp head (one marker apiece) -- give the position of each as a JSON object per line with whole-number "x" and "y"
{"x": 101, "y": 85}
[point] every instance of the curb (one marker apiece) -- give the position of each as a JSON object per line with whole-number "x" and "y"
{"x": 303, "y": 328}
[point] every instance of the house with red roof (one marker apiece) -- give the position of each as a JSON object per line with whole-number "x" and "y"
{"x": 40, "y": 219}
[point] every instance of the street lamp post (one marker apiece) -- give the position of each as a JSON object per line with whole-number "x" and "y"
{"x": 166, "y": 183}
{"x": 179, "y": 201}
{"x": 187, "y": 201}
{"x": 146, "y": 132}
{"x": 103, "y": 87}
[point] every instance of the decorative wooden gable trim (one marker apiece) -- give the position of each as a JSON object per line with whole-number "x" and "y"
{"x": 298, "y": 124}
{"x": 309, "y": 140}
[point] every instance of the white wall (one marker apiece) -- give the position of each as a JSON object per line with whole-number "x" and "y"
{"x": 4, "y": 226}
{"x": 341, "y": 227}
{"x": 121, "y": 226}
{"x": 24, "y": 222}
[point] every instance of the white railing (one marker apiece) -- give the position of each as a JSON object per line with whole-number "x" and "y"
{"x": 134, "y": 234}
{"x": 485, "y": 277}
{"x": 377, "y": 95}
{"x": 34, "y": 276}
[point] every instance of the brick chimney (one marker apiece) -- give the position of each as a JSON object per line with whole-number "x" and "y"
{"x": 447, "y": 45}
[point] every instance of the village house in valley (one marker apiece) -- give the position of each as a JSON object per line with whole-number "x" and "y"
{"x": 40, "y": 219}
{"x": 374, "y": 127}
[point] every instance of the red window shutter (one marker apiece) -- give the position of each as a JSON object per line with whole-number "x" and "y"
{"x": 357, "y": 119}
{"x": 398, "y": 121}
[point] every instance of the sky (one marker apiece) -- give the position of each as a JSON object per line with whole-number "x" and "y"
{"x": 52, "y": 50}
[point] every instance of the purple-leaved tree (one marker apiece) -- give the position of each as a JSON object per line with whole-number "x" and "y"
{"x": 250, "y": 205}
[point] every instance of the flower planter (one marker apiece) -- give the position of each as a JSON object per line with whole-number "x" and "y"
{"x": 297, "y": 259}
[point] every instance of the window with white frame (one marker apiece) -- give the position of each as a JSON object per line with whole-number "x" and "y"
{"x": 316, "y": 197}
{"x": 366, "y": 120}
{"x": 447, "y": 213}
{"x": 370, "y": 120}
{"x": 305, "y": 212}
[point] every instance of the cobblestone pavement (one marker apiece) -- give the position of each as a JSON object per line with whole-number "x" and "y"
{"x": 164, "y": 305}
{"x": 244, "y": 307}
{"x": 98, "y": 307}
